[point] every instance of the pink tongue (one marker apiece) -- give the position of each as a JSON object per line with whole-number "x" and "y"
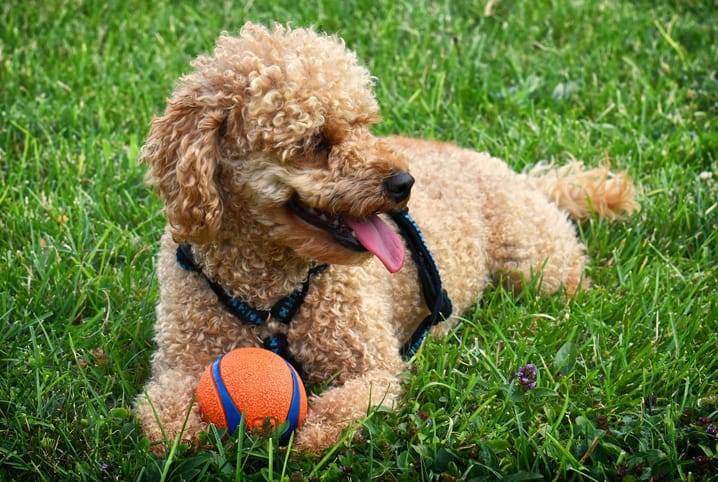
{"x": 378, "y": 238}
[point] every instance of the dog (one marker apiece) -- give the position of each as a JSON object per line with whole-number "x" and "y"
{"x": 274, "y": 184}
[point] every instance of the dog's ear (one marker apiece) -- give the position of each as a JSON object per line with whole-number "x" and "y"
{"x": 182, "y": 150}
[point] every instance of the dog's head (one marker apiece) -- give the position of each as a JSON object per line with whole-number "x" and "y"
{"x": 273, "y": 130}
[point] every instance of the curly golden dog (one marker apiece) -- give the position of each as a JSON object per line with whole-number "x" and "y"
{"x": 274, "y": 184}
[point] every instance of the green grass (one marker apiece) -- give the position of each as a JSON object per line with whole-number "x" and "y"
{"x": 628, "y": 372}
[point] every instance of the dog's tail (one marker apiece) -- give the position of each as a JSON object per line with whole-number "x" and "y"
{"x": 583, "y": 192}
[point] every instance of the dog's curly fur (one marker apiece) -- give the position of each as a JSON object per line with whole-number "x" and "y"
{"x": 280, "y": 115}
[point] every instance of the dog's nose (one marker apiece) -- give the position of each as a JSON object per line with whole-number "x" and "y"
{"x": 398, "y": 185}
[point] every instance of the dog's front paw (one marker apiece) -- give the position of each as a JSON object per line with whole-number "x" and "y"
{"x": 341, "y": 407}
{"x": 167, "y": 415}
{"x": 319, "y": 433}
{"x": 167, "y": 433}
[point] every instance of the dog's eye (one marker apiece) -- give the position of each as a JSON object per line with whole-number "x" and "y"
{"x": 322, "y": 146}
{"x": 317, "y": 155}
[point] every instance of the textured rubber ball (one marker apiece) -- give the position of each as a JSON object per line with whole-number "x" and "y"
{"x": 251, "y": 384}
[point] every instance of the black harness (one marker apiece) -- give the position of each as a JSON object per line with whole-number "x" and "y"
{"x": 283, "y": 310}
{"x": 435, "y": 296}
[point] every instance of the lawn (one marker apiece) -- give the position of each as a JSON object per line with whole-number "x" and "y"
{"x": 627, "y": 372}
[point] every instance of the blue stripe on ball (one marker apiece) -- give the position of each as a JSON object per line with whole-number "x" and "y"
{"x": 233, "y": 416}
{"x": 293, "y": 415}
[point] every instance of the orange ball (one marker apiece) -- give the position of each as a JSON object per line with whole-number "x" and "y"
{"x": 251, "y": 383}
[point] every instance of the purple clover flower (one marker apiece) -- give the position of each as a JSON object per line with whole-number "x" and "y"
{"x": 712, "y": 429}
{"x": 527, "y": 377}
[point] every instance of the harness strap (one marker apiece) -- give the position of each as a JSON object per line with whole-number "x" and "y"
{"x": 435, "y": 296}
{"x": 283, "y": 310}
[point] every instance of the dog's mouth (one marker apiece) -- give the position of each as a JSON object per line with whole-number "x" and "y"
{"x": 370, "y": 233}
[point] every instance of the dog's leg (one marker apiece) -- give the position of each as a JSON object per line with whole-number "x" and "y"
{"x": 532, "y": 242}
{"x": 531, "y": 237}
{"x": 338, "y": 407}
{"x": 165, "y": 410}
